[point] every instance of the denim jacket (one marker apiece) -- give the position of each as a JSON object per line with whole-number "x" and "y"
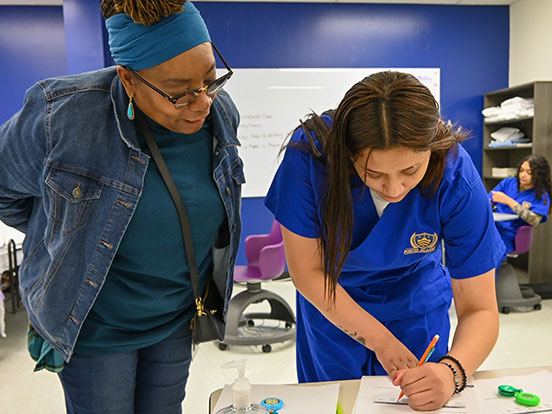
{"x": 71, "y": 175}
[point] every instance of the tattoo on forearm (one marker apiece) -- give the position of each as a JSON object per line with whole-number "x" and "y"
{"x": 527, "y": 215}
{"x": 354, "y": 335}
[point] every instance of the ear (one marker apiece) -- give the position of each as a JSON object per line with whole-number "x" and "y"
{"x": 127, "y": 80}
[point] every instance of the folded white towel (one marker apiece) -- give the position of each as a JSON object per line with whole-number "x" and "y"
{"x": 512, "y": 108}
{"x": 492, "y": 111}
{"x": 507, "y": 134}
{"x": 498, "y": 172}
{"x": 509, "y": 115}
{"x": 518, "y": 102}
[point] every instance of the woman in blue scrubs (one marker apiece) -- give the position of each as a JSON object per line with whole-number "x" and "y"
{"x": 365, "y": 195}
{"x": 527, "y": 195}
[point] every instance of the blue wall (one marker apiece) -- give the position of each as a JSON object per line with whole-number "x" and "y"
{"x": 32, "y": 47}
{"x": 85, "y": 35}
{"x": 469, "y": 43}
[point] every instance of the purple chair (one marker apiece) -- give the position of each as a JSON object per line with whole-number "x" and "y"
{"x": 265, "y": 254}
{"x": 266, "y": 260}
{"x": 509, "y": 293}
{"x": 523, "y": 241}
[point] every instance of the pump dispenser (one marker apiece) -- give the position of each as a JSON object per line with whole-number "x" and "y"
{"x": 241, "y": 393}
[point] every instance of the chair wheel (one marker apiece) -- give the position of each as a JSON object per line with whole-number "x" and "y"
{"x": 538, "y": 306}
{"x": 222, "y": 346}
{"x": 250, "y": 322}
{"x": 505, "y": 310}
{"x": 267, "y": 348}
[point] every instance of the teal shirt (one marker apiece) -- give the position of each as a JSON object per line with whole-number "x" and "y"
{"x": 148, "y": 292}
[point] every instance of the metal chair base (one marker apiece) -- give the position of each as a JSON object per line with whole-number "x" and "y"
{"x": 237, "y": 318}
{"x": 510, "y": 295}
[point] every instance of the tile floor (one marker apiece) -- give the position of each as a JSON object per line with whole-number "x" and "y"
{"x": 525, "y": 340}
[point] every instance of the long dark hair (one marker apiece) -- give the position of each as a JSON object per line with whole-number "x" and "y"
{"x": 145, "y": 12}
{"x": 383, "y": 111}
{"x": 540, "y": 176}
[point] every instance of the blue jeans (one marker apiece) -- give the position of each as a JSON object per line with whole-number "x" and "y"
{"x": 148, "y": 380}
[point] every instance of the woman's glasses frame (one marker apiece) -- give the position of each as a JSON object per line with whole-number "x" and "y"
{"x": 210, "y": 89}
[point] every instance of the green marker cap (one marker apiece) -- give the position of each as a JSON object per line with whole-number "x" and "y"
{"x": 525, "y": 398}
{"x": 508, "y": 390}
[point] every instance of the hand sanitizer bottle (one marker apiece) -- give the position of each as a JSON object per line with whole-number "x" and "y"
{"x": 241, "y": 393}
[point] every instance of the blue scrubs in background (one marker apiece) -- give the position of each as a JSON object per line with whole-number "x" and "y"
{"x": 528, "y": 199}
{"x": 394, "y": 268}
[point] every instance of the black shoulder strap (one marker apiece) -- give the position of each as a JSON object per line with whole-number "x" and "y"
{"x": 177, "y": 200}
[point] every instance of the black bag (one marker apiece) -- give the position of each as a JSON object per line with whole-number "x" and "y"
{"x": 207, "y": 323}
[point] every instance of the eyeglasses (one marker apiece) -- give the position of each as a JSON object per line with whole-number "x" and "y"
{"x": 185, "y": 98}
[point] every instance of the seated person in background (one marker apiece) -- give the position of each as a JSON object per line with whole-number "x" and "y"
{"x": 364, "y": 195}
{"x": 527, "y": 195}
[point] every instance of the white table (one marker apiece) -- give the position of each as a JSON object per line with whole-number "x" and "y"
{"x": 349, "y": 389}
{"x": 504, "y": 216}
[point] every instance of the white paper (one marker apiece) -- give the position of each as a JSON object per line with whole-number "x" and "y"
{"x": 319, "y": 399}
{"x": 378, "y": 395}
{"x": 493, "y": 403}
{"x": 391, "y": 398}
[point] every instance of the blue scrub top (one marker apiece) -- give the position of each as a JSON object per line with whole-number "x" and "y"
{"x": 526, "y": 198}
{"x": 394, "y": 268}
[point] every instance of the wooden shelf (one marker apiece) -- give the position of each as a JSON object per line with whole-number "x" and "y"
{"x": 539, "y": 128}
{"x": 510, "y": 121}
{"x": 490, "y": 177}
{"x": 530, "y": 147}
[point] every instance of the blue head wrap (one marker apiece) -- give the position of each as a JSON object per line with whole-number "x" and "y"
{"x": 139, "y": 46}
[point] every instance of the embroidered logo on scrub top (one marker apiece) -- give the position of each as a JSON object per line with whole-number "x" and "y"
{"x": 526, "y": 204}
{"x": 422, "y": 243}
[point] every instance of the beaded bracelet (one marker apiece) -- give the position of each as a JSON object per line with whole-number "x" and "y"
{"x": 455, "y": 374}
{"x": 462, "y": 371}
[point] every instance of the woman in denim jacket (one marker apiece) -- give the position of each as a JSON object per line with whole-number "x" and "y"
{"x": 105, "y": 278}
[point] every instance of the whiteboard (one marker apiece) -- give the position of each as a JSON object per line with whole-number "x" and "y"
{"x": 272, "y": 101}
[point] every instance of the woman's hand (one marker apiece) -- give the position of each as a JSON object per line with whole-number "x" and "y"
{"x": 394, "y": 356}
{"x": 500, "y": 197}
{"x": 428, "y": 387}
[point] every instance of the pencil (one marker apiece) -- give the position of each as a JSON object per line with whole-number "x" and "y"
{"x": 429, "y": 350}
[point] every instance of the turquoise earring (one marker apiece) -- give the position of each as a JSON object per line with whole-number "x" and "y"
{"x": 130, "y": 109}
